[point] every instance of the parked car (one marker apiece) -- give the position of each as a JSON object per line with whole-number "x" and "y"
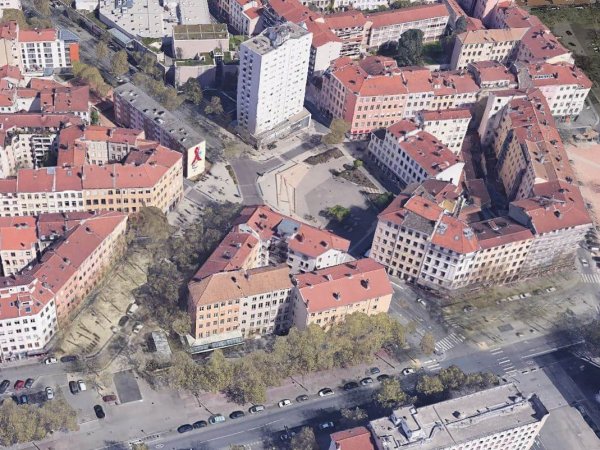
{"x": 29, "y": 383}
{"x": 50, "y": 360}
{"x": 217, "y": 418}
{"x": 550, "y": 289}
{"x": 236, "y": 415}
{"x": 421, "y": 302}
{"x": 23, "y": 399}
{"x": 408, "y": 371}
{"x": 109, "y": 398}
{"x": 68, "y": 358}
{"x": 256, "y": 409}
{"x": 302, "y": 398}
{"x": 350, "y": 385}
{"x": 325, "y": 392}
{"x": 82, "y": 386}
{"x": 326, "y": 425}
{"x": 374, "y": 370}
{"x": 284, "y": 402}
{"x": 137, "y": 327}
{"x": 200, "y": 424}
{"x": 99, "y": 412}
{"x": 49, "y": 393}
{"x": 4, "y": 386}
{"x": 366, "y": 381}
{"x": 73, "y": 387}
{"x": 584, "y": 262}
{"x": 123, "y": 321}
{"x": 383, "y": 377}
{"x": 19, "y": 384}
{"x": 287, "y": 435}
{"x": 185, "y": 428}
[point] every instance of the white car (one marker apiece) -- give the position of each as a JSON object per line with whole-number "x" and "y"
{"x": 584, "y": 262}
{"x": 326, "y": 425}
{"x": 325, "y": 392}
{"x": 137, "y": 327}
{"x": 82, "y": 386}
{"x": 550, "y": 289}
{"x": 408, "y": 371}
{"x": 284, "y": 402}
{"x": 49, "y": 393}
{"x": 50, "y": 360}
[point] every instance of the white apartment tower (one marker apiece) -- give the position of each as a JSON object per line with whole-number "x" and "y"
{"x": 272, "y": 82}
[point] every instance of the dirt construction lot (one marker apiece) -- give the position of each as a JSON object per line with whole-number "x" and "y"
{"x": 586, "y": 163}
{"x": 91, "y": 330}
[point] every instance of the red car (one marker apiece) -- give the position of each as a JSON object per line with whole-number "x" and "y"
{"x": 109, "y": 398}
{"x": 19, "y": 384}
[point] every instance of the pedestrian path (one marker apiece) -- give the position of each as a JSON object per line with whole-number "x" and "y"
{"x": 590, "y": 278}
{"x": 505, "y": 363}
{"x": 449, "y": 342}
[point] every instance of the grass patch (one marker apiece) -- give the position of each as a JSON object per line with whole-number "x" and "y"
{"x": 587, "y": 16}
{"x": 433, "y": 53}
{"x": 235, "y": 41}
{"x": 356, "y": 176}
{"x": 327, "y": 155}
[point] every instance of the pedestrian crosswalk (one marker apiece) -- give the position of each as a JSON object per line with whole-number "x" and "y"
{"x": 505, "y": 363}
{"x": 449, "y": 342}
{"x": 590, "y": 278}
{"x": 432, "y": 365}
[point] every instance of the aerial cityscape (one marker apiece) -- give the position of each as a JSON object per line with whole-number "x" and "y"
{"x": 299, "y": 224}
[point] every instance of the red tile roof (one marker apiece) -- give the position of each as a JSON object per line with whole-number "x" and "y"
{"x": 37, "y": 35}
{"x": 445, "y": 114}
{"x": 346, "y": 19}
{"x": 410, "y": 14}
{"x": 492, "y": 71}
{"x": 10, "y": 72}
{"x": 342, "y": 285}
{"x": 358, "y": 438}
{"x": 545, "y": 74}
{"x": 37, "y": 120}
{"x": 9, "y": 30}
{"x": 542, "y": 44}
{"x": 499, "y": 231}
{"x": 17, "y": 233}
{"x": 454, "y": 234}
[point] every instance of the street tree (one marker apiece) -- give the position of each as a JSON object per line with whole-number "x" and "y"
{"x": 304, "y": 440}
{"x": 42, "y": 7}
{"x": 428, "y": 343}
{"x": 120, "y": 65}
{"x": 399, "y": 4}
{"x": 91, "y": 76}
{"x": 337, "y": 130}
{"x": 217, "y": 373}
{"x": 193, "y": 91}
{"x": 338, "y": 212}
{"x": 410, "y": 48}
{"x": 17, "y": 15}
{"x": 247, "y": 384}
{"x": 214, "y": 107}
{"x": 169, "y": 98}
{"x": 101, "y": 50}
{"x": 184, "y": 373}
{"x": 452, "y": 377}
{"x": 429, "y": 385}
{"x": 353, "y": 415}
{"x": 390, "y": 394}
{"x": 95, "y": 117}
{"x": 182, "y": 324}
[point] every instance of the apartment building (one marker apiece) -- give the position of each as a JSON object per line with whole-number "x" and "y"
{"x": 135, "y": 109}
{"x": 37, "y": 302}
{"x": 375, "y": 93}
{"x": 28, "y": 139}
{"x": 564, "y": 86}
{"x": 351, "y": 27}
{"x": 242, "y": 15}
{"x": 493, "y": 112}
{"x": 272, "y": 83}
{"x": 255, "y": 302}
{"x": 410, "y": 155}
{"x": 557, "y": 216}
{"x": 325, "y": 46}
{"x": 326, "y": 296}
{"x": 46, "y": 50}
{"x": 492, "y": 75}
{"x": 486, "y": 45}
{"x": 449, "y": 126}
{"x": 18, "y": 243}
{"x": 538, "y": 43}
{"x": 500, "y": 418}
{"x": 431, "y": 19}
{"x": 528, "y": 147}
{"x": 190, "y": 41}
{"x": 150, "y": 176}
{"x": 95, "y": 144}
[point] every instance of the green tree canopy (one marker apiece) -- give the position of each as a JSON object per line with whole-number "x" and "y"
{"x": 304, "y": 440}
{"x": 429, "y": 385}
{"x": 390, "y": 394}
{"x": 428, "y": 343}
{"x": 193, "y": 91}
{"x": 410, "y": 48}
{"x": 337, "y": 130}
{"x": 120, "y": 65}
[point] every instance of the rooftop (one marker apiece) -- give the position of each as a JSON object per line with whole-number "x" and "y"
{"x": 460, "y": 420}
{"x": 200, "y": 31}
{"x": 410, "y": 14}
{"x": 273, "y": 37}
{"x": 342, "y": 285}
{"x": 492, "y": 36}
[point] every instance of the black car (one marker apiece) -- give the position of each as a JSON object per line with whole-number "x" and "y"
{"x": 28, "y": 383}
{"x": 99, "y": 412}
{"x": 123, "y": 321}
{"x": 4, "y": 386}
{"x": 200, "y": 424}
{"x": 68, "y": 358}
{"x": 185, "y": 428}
{"x": 23, "y": 399}
{"x": 350, "y": 385}
{"x": 236, "y": 414}
{"x": 73, "y": 387}
{"x": 383, "y": 377}
{"x": 302, "y": 398}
